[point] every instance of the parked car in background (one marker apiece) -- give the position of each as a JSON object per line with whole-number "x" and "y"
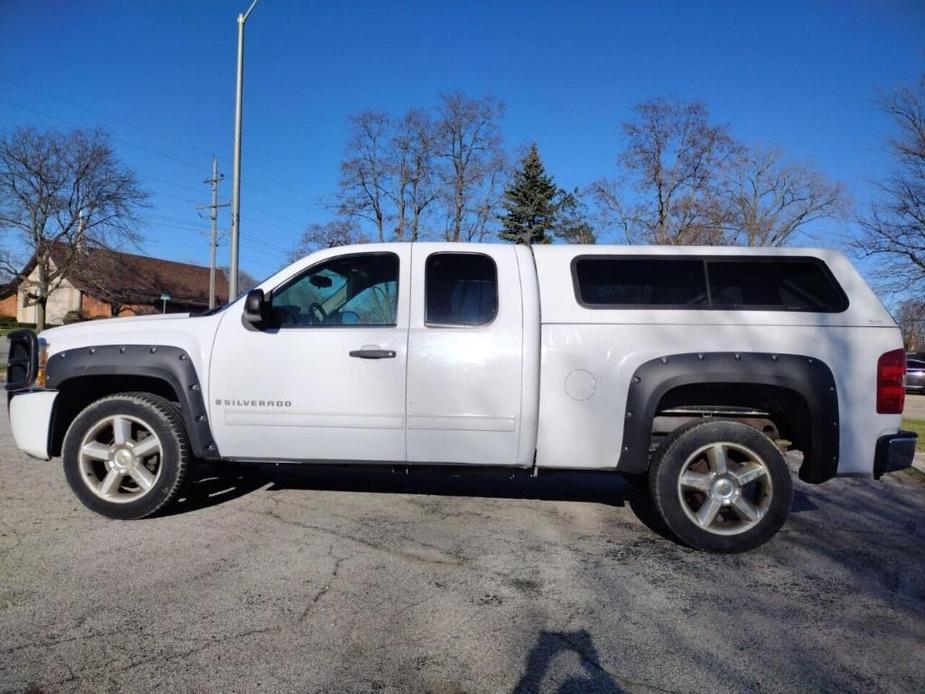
{"x": 915, "y": 374}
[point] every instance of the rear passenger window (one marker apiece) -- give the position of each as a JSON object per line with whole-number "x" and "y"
{"x": 641, "y": 282}
{"x": 778, "y": 284}
{"x": 461, "y": 289}
{"x": 770, "y": 284}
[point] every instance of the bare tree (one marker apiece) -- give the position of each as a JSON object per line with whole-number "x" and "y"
{"x": 365, "y": 171}
{"x": 339, "y": 232}
{"x": 246, "y": 281}
{"x": 572, "y": 223}
{"x": 388, "y": 173}
{"x": 894, "y": 227}
{"x": 62, "y": 192}
{"x": 910, "y": 315}
{"x": 673, "y": 159}
{"x": 470, "y": 149}
{"x": 769, "y": 199}
{"x": 412, "y": 188}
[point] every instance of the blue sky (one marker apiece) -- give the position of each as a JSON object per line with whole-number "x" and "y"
{"x": 160, "y": 76}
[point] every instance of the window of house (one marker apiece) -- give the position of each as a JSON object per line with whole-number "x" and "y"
{"x": 461, "y": 289}
{"x": 359, "y": 289}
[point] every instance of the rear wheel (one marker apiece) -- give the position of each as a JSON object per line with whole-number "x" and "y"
{"x": 125, "y": 456}
{"x": 721, "y": 486}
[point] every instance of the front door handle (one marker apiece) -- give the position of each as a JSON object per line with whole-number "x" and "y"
{"x": 373, "y": 353}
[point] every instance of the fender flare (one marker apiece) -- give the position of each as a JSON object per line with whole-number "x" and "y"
{"x": 166, "y": 363}
{"x": 808, "y": 377}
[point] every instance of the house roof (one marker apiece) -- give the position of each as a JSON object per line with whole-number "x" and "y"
{"x": 135, "y": 279}
{"x": 140, "y": 278}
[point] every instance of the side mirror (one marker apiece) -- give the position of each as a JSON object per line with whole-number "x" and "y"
{"x": 257, "y": 309}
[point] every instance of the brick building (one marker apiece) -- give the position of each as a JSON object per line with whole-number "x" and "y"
{"x": 105, "y": 283}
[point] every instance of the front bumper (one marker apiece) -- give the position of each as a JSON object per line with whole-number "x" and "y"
{"x": 894, "y": 452}
{"x": 30, "y": 419}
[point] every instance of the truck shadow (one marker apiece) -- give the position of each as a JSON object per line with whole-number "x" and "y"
{"x": 211, "y": 485}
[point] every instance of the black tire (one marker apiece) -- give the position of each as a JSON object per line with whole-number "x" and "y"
{"x": 775, "y": 490}
{"x": 174, "y": 457}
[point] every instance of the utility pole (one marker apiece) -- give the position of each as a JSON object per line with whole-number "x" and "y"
{"x": 213, "y": 241}
{"x": 236, "y": 185}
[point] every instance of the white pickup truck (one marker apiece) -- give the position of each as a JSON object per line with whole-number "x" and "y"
{"x": 691, "y": 371}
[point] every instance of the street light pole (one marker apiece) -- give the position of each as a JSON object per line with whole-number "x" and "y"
{"x": 236, "y": 184}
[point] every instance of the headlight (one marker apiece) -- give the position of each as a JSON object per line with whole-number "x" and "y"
{"x": 43, "y": 361}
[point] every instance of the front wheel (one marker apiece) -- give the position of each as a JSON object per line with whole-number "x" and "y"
{"x": 721, "y": 486}
{"x": 125, "y": 456}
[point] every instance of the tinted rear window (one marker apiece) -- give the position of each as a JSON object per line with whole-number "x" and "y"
{"x": 777, "y": 284}
{"x": 641, "y": 282}
{"x": 788, "y": 285}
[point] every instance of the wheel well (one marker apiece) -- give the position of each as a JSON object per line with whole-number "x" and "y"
{"x": 76, "y": 393}
{"x": 787, "y": 409}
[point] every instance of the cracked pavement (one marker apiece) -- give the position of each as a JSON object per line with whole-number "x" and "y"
{"x": 299, "y": 580}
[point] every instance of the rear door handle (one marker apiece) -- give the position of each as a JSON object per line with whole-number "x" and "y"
{"x": 373, "y": 353}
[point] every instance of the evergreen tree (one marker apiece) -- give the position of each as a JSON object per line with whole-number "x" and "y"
{"x": 530, "y": 203}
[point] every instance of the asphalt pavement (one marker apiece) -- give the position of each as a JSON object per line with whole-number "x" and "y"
{"x": 915, "y": 407}
{"x": 297, "y": 580}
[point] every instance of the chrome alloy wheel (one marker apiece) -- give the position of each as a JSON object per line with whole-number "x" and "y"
{"x": 725, "y": 488}
{"x": 120, "y": 458}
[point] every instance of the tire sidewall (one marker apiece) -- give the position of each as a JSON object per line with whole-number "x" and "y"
{"x": 172, "y": 453}
{"x": 670, "y": 460}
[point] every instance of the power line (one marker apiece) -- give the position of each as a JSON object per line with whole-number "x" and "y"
{"x": 171, "y": 195}
{"x": 248, "y": 206}
{"x": 172, "y": 183}
{"x": 273, "y": 246}
{"x": 146, "y": 131}
{"x": 155, "y": 152}
{"x": 117, "y": 139}
{"x": 139, "y": 128}
{"x": 183, "y": 225}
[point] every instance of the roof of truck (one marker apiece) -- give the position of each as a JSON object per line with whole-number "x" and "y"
{"x": 559, "y": 304}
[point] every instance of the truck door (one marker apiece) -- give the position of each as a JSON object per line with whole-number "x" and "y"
{"x": 464, "y": 355}
{"x": 328, "y": 382}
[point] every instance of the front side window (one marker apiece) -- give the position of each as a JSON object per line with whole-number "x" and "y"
{"x": 461, "y": 289}
{"x": 353, "y": 290}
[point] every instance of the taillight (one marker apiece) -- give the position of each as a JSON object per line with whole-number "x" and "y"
{"x": 891, "y": 382}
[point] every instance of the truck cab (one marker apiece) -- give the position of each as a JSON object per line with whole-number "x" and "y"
{"x": 411, "y": 353}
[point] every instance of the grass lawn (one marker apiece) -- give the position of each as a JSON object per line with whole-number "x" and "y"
{"x": 918, "y": 426}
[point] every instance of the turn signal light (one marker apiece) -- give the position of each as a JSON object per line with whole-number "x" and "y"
{"x": 891, "y": 382}
{"x": 42, "y": 363}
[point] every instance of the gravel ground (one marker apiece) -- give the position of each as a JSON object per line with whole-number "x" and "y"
{"x": 300, "y": 580}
